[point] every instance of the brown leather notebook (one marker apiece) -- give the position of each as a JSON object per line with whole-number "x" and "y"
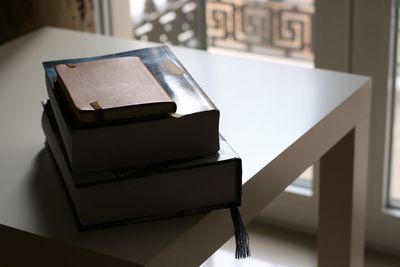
{"x": 112, "y": 89}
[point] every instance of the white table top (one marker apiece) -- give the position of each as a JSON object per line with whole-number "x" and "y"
{"x": 265, "y": 108}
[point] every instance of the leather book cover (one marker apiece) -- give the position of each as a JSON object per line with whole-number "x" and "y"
{"x": 112, "y": 89}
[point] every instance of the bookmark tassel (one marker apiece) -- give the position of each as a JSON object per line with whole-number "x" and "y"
{"x": 241, "y": 236}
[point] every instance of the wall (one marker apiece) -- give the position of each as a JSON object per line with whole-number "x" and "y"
{"x": 18, "y": 17}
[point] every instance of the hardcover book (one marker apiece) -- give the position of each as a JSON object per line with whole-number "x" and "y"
{"x": 150, "y": 192}
{"x": 191, "y": 131}
{"x": 112, "y": 89}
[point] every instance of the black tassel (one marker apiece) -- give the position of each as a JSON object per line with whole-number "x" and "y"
{"x": 241, "y": 236}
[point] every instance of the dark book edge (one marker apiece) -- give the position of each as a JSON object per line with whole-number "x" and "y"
{"x": 159, "y": 217}
{"x": 119, "y": 175}
{"x": 50, "y": 142}
{"x": 69, "y": 133}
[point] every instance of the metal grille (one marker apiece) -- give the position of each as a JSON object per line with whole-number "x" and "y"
{"x": 274, "y": 27}
{"x": 281, "y": 28}
{"x": 179, "y": 22}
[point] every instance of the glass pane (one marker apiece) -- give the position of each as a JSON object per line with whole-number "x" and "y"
{"x": 176, "y": 22}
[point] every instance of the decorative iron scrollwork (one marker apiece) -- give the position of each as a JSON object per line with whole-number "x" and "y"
{"x": 282, "y": 28}
{"x": 273, "y": 27}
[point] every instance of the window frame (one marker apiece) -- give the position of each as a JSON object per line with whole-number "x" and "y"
{"x": 361, "y": 42}
{"x": 364, "y": 43}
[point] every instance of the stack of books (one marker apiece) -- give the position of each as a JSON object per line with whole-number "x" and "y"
{"x": 136, "y": 139}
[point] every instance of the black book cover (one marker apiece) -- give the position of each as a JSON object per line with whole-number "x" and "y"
{"x": 149, "y": 192}
{"x": 189, "y": 132}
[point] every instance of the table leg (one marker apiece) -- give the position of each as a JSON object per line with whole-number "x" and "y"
{"x": 342, "y": 200}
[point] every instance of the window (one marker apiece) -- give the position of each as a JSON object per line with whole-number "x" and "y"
{"x": 281, "y": 29}
{"x": 354, "y": 36}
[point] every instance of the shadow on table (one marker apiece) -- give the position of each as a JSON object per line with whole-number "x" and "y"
{"x": 53, "y": 210}
{"x": 55, "y": 217}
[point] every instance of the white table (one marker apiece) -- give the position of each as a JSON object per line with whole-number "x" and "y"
{"x": 279, "y": 119}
